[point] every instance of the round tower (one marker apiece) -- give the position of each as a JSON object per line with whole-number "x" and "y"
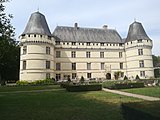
{"x": 138, "y": 47}
{"x": 37, "y": 50}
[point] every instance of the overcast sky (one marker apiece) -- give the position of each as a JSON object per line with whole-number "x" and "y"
{"x": 117, "y": 14}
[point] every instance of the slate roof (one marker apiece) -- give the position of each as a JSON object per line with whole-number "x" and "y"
{"x": 136, "y": 32}
{"x": 72, "y": 34}
{"x": 37, "y": 24}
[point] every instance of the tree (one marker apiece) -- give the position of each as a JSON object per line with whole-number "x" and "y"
{"x": 156, "y": 63}
{"x": 9, "y": 49}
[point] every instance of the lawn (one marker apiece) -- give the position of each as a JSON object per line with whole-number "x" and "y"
{"x": 60, "y": 105}
{"x": 149, "y": 91}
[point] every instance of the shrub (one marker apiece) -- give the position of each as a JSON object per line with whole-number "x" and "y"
{"x": 125, "y": 77}
{"x": 79, "y": 88}
{"x": 122, "y": 85}
{"x": 137, "y": 77}
{"x": 22, "y": 82}
{"x": 82, "y": 80}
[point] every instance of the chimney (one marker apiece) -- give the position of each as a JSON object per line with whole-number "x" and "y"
{"x": 105, "y": 27}
{"x": 76, "y": 26}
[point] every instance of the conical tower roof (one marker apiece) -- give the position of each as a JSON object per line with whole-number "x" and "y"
{"x": 37, "y": 24}
{"x": 136, "y": 32}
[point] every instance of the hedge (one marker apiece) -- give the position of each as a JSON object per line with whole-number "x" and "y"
{"x": 79, "y": 88}
{"x": 114, "y": 85}
{"x": 141, "y": 111}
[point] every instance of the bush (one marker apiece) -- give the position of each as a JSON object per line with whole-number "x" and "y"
{"x": 137, "y": 77}
{"x": 79, "y": 88}
{"x": 122, "y": 85}
{"x": 37, "y": 82}
{"x": 125, "y": 77}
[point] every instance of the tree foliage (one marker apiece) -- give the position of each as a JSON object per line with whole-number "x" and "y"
{"x": 9, "y": 49}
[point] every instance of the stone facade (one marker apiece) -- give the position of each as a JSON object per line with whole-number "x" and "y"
{"x": 71, "y": 51}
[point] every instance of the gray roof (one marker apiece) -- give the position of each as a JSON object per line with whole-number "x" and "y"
{"x": 136, "y": 32}
{"x": 37, "y": 24}
{"x": 77, "y": 34}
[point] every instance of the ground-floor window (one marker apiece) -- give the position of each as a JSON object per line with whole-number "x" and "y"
{"x": 74, "y": 75}
{"x": 88, "y": 75}
{"x": 142, "y": 73}
{"x": 48, "y": 75}
{"x": 58, "y": 76}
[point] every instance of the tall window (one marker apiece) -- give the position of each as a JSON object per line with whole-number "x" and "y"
{"x": 142, "y": 73}
{"x": 121, "y": 65}
{"x": 24, "y": 49}
{"x": 24, "y": 65}
{"x": 58, "y": 54}
{"x": 141, "y": 63}
{"x": 89, "y": 75}
{"x": 74, "y": 75}
{"x": 73, "y": 54}
{"x": 88, "y": 66}
{"x": 58, "y": 76}
{"x": 47, "y": 64}
{"x": 101, "y": 54}
{"x": 73, "y": 66}
{"x": 102, "y": 66}
{"x": 88, "y": 54}
{"x": 140, "y": 51}
{"x": 48, "y": 75}
{"x": 58, "y": 66}
{"x": 120, "y": 54}
{"x": 47, "y": 50}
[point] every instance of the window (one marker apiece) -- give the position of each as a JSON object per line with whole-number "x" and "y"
{"x": 24, "y": 49}
{"x": 89, "y": 75}
{"x": 102, "y": 44}
{"x": 58, "y": 76}
{"x": 102, "y": 66}
{"x": 24, "y": 65}
{"x": 122, "y": 74}
{"x": 48, "y": 50}
{"x": 28, "y": 35}
{"x": 120, "y": 54}
{"x": 74, "y": 75}
{"x": 139, "y": 41}
{"x": 58, "y": 54}
{"x": 88, "y": 66}
{"x": 142, "y": 73}
{"x": 120, "y": 44}
{"x": 140, "y": 51}
{"x": 58, "y": 66}
{"x": 101, "y": 54}
{"x": 34, "y": 35}
{"x": 73, "y": 43}
{"x": 88, "y": 54}
{"x": 48, "y": 75}
{"x": 121, "y": 65}
{"x": 57, "y": 42}
{"x": 88, "y": 43}
{"x": 49, "y": 37}
{"x": 73, "y": 66}
{"x": 141, "y": 63}
{"x": 73, "y": 54}
{"x": 47, "y": 64}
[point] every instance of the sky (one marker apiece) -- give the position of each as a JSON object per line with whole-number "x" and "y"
{"x": 116, "y": 14}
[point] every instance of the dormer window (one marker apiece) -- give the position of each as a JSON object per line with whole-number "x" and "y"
{"x": 102, "y": 44}
{"x": 88, "y": 43}
{"x": 57, "y": 42}
{"x": 49, "y": 37}
{"x": 73, "y": 43}
{"x": 139, "y": 41}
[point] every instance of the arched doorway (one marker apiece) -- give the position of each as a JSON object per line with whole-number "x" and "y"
{"x": 108, "y": 76}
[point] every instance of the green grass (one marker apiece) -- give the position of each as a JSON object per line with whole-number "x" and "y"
{"x": 149, "y": 91}
{"x": 60, "y": 105}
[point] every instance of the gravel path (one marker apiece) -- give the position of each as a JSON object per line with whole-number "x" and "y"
{"x": 148, "y": 98}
